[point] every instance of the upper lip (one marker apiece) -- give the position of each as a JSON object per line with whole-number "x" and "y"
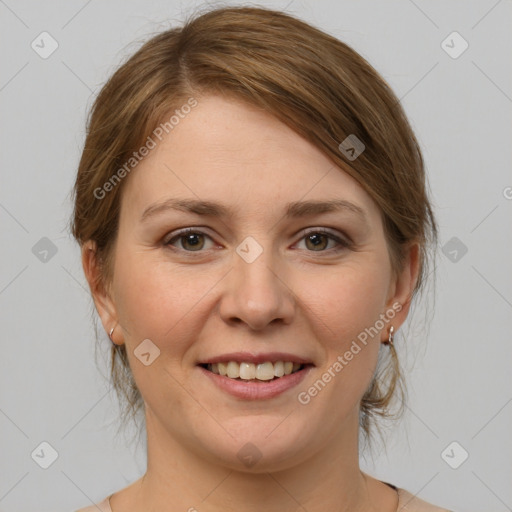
{"x": 248, "y": 357}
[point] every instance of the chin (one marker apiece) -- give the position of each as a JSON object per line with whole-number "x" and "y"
{"x": 262, "y": 444}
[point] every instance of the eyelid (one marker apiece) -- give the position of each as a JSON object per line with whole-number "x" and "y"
{"x": 184, "y": 231}
{"x": 176, "y": 235}
{"x": 342, "y": 239}
{"x": 327, "y": 231}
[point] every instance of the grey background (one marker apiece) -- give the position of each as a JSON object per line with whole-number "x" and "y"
{"x": 458, "y": 373}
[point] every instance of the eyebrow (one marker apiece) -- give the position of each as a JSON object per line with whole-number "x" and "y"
{"x": 212, "y": 209}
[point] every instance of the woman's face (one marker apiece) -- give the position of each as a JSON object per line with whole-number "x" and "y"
{"x": 264, "y": 275}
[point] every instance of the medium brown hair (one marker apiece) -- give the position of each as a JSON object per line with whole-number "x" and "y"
{"x": 312, "y": 82}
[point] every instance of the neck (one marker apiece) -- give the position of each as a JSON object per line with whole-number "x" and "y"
{"x": 178, "y": 478}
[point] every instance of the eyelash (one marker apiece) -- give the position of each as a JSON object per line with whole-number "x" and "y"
{"x": 343, "y": 244}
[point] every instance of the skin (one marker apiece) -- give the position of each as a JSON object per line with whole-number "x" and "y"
{"x": 203, "y": 300}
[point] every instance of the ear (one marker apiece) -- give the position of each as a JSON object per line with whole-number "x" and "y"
{"x": 101, "y": 296}
{"x": 402, "y": 287}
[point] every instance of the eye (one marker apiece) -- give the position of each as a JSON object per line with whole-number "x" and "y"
{"x": 190, "y": 240}
{"x": 317, "y": 240}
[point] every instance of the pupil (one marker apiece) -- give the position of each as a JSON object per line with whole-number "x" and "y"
{"x": 316, "y": 239}
{"x": 192, "y": 240}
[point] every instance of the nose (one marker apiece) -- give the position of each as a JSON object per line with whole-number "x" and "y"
{"x": 257, "y": 293}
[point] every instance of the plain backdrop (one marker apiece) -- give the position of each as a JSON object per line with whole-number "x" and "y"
{"x": 458, "y": 372}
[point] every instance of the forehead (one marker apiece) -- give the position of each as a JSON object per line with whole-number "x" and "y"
{"x": 231, "y": 152}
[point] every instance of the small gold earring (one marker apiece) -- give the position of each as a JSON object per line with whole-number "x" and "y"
{"x": 390, "y": 337}
{"x": 110, "y": 335}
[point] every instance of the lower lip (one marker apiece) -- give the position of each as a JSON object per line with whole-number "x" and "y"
{"x": 261, "y": 390}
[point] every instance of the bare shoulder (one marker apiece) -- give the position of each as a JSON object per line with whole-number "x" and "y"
{"x": 103, "y": 506}
{"x": 124, "y": 499}
{"x": 408, "y": 502}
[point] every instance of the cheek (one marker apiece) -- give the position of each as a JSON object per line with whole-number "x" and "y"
{"x": 348, "y": 300}
{"x": 160, "y": 301}
{"x": 344, "y": 316}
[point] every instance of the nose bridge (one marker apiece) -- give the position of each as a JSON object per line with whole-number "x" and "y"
{"x": 257, "y": 295}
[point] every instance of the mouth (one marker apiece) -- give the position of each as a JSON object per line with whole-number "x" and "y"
{"x": 248, "y": 381}
{"x": 266, "y": 371}
{"x": 249, "y": 376}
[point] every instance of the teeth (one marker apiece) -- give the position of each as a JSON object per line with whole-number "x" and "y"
{"x": 223, "y": 368}
{"x": 279, "y": 368}
{"x": 233, "y": 370}
{"x": 251, "y": 371}
{"x": 247, "y": 371}
{"x": 265, "y": 371}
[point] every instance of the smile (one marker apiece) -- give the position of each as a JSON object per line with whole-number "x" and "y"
{"x": 247, "y": 385}
{"x": 266, "y": 371}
